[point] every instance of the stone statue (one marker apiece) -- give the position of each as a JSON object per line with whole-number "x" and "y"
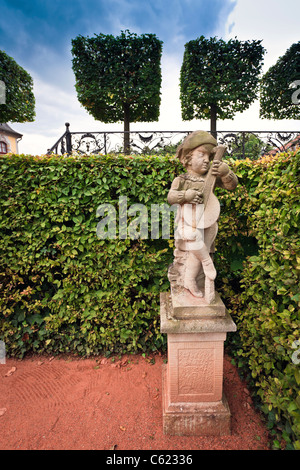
{"x": 198, "y": 212}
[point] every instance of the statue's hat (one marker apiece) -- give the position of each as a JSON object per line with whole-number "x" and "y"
{"x": 194, "y": 140}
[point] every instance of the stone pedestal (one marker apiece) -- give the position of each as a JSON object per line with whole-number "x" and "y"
{"x": 193, "y": 399}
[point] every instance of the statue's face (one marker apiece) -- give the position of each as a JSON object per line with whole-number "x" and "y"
{"x": 199, "y": 161}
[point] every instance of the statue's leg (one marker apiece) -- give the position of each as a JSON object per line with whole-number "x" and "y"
{"x": 204, "y": 257}
{"x": 207, "y": 263}
{"x": 192, "y": 267}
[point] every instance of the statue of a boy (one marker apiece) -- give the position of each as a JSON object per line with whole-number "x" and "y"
{"x": 198, "y": 212}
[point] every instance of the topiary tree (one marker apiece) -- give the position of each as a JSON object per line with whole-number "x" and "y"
{"x": 280, "y": 87}
{"x": 17, "y": 99}
{"x": 218, "y": 78}
{"x": 119, "y": 78}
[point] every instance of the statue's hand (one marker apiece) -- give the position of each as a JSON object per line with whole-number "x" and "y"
{"x": 193, "y": 197}
{"x": 220, "y": 169}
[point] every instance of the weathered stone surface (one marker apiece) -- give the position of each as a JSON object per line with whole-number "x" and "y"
{"x": 193, "y": 401}
{"x": 198, "y": 213}
{"x": 192, "y": 313}
{"x": 208, "y": 323}
{"x": 195, "y": 367}
{"x": 186, "y": 306}
{"x": 195, "y": 419}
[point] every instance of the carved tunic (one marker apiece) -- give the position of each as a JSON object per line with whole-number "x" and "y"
{"x": 191, "y": 237}
{"x": 186, "y": 181}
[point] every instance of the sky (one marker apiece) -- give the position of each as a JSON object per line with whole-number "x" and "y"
{"x": 38, "y": 35}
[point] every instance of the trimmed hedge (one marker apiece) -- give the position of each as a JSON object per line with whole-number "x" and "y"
{"x": 266, "y": 305}
{"x": 65, "y": 290}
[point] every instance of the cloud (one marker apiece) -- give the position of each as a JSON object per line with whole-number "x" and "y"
{"x": 53, "y": 23}
{"x": 275, "y": 23}
{"x": 42, "y": 44}
{"x": 40, "y": 41}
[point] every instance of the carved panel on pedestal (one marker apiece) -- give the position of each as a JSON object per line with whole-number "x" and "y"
{"x": 195, "y": 371}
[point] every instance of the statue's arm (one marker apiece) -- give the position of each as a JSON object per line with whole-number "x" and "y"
{"x": 175, "y": 195}
{"x": 229, "y": 181}
{"x": 225, "y": 176}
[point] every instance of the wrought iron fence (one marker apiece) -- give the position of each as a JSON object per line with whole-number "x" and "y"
{"x": 240, "y": 144}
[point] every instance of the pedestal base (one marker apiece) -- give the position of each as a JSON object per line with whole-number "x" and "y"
{"x": 193, "y": 400}
{"x": 194, "y": 419}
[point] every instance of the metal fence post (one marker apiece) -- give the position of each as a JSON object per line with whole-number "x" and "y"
{"x": 68, "y": 139}
{"x": 105, "y": 149}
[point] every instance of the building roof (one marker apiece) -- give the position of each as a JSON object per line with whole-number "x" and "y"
{"x": 6, "y": 129}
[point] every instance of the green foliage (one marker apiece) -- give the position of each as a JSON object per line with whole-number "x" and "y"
{"x": 65, "y": 290}
{"x": 62, "y": 288}
{"x": 263, "y": 293}
{"x": 276, "y": 87}
{"x": 19, "y": 103}
{"x": 248, "y": 145}
{"x": 113, "y": 73}
{"x": 219, "y": 74}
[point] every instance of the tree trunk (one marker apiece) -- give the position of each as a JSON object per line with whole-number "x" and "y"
{"x": 126, "y": 109}
{"x": 213, "y": 120}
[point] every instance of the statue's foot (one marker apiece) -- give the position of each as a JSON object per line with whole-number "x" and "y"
{"x": 194, "y": 289}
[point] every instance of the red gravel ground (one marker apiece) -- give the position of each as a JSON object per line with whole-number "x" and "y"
{"x": 63, "y": 403}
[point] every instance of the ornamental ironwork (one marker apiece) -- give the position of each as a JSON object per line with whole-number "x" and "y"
{"x": 240, "y": 144}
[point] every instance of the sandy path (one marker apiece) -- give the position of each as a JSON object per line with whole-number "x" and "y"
{"x": 67, "y": 403}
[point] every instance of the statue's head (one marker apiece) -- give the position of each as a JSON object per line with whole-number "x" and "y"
{"x": 192, "y": 141}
